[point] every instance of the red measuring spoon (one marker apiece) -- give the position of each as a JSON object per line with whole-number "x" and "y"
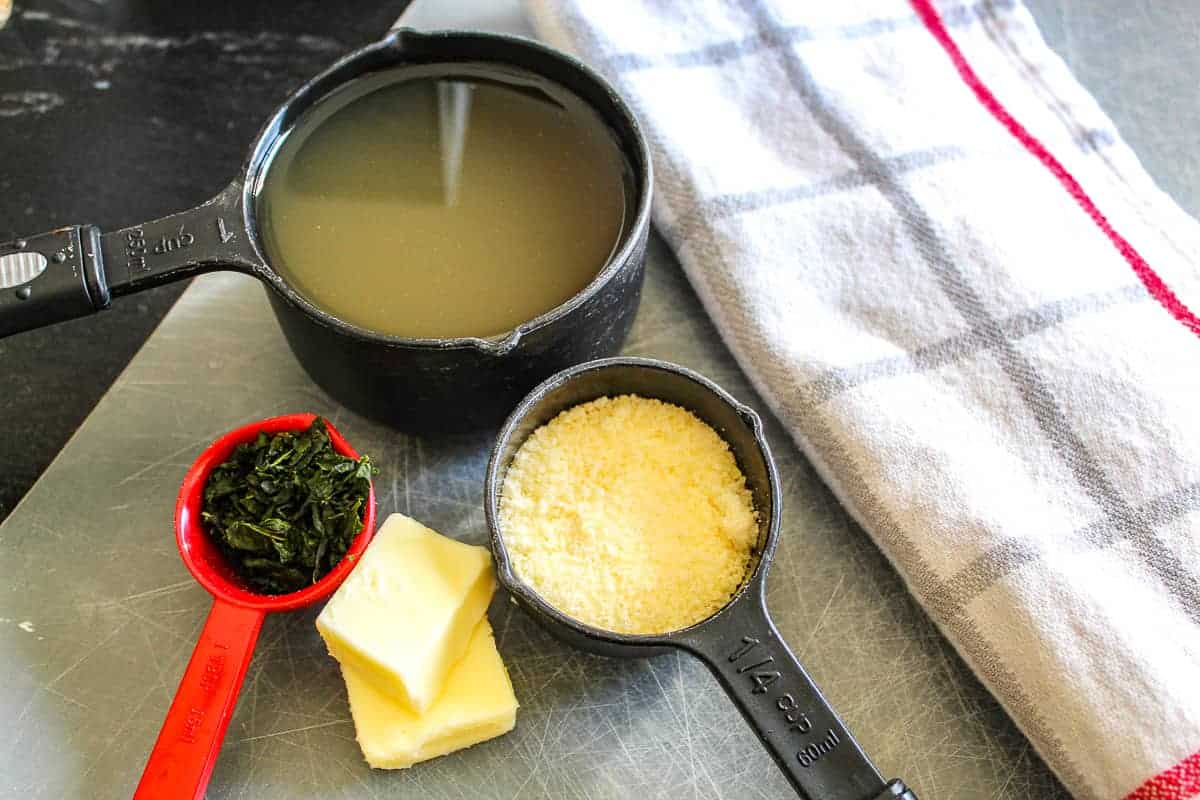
{"x": 187, "y": 746}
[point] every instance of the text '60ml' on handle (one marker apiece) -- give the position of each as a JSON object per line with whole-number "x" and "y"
{"x": 787, "y": 711}
{"x": 75, "y": 271}
{"x": 191, "y": 736}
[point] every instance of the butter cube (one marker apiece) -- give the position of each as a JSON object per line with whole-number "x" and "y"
{"x": 405, "y": 614}
{"x": 477, "y": 704}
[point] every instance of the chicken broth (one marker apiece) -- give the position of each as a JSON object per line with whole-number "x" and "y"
{"x": 439, "y": 205}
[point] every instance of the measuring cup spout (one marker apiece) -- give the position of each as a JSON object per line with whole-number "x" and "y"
{"x": 191, "y": 736}
{"x": 75, "y": 271}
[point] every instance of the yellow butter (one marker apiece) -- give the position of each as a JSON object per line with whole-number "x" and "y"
{"x": 478, "y": 704}
{"x": 405, "y": 614}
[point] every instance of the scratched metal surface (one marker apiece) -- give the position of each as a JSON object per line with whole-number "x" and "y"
{"x": 98, "y": 616}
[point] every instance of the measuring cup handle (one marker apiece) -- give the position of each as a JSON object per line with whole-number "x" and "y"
{"x": 187, "y": 746}
{"x": 210, "y": 236}
{"x": 75, "y": 271}
{"x": 784, "y": 707}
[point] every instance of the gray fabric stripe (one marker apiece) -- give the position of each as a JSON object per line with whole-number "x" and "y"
{"x": 1034, "y": 392}
{"x": 841, "y": 473}
{"x": 989, "y": 665}
{"x": 779, "y": 36}
{"x": 974, "y": 340}
{"x": 728, "y": 205}
{"x": 1000, "y": 30}
{"x": 1004, "y": 557}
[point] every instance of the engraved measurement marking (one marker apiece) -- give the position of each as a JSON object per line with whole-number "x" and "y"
{"x": 210, "y": 679}
{"x": 814, "y": 752}
{"x": 762, "y": 663}
{"x": 748, "y": 644}
{"x": 191, "y": 725}
{"x": 135, "y": 250}
{"x": 225, "y": 235}
{"x": 168, "y": 244}
{"x": 762, "y": 678}
{"x": 212, "y": 673}
{"x": 797, "y": 719}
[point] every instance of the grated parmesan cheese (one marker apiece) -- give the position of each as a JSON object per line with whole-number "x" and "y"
{"x": 629, "y": 514}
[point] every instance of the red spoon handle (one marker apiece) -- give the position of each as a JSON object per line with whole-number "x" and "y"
{"x": 187, "y": 746}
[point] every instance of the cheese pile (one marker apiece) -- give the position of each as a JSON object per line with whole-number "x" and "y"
{"x": 629, "y": 514}
{"x": 408, "y": 626}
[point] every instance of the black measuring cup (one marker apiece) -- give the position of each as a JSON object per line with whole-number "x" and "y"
{"x": 419, "y": 384}
{"x": 739, "y": 643}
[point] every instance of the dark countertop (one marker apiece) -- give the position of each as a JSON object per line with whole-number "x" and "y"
{"x": 164, "y": 99}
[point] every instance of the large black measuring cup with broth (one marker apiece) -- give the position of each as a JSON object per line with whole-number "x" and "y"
{"x": 420, "y": 384}
{"x": 739, "y": 643}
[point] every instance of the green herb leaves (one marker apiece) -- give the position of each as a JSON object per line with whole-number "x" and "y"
{"x": 285, "y": 507}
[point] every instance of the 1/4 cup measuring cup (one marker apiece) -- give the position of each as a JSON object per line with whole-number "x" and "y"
{"x": 187, "y": 746}
{"x": 739, "y": 643}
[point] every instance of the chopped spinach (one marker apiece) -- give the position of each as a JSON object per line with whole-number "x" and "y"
{"x": 284, "y": 508}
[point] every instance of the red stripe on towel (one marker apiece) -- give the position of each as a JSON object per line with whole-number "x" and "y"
{"x": 1180, "y": 782}
{"x": 1149, "y": 278}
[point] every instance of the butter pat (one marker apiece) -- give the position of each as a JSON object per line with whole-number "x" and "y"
{"x": 477, "y": 704}
{"x": 406, "y": 613}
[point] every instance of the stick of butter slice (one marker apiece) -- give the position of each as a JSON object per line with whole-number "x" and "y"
{"x": 405, "y": 614}
{"x": 478, "y": 704}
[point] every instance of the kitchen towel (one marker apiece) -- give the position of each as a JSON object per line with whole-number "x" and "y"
{"x": 973, "y": 310}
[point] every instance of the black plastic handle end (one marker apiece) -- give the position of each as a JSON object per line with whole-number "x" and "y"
{"x": 75, "y": 271}
{"x": 51, "y": 277}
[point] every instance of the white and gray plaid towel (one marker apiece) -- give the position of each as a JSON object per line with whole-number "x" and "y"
{"x": 956, "y": 286}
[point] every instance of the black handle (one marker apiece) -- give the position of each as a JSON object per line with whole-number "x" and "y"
{"x": 202, "y": 239}
{"x": 786, "y": 709}
{"x": 51, "y": 277}
{"x": 75, "y": 271}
